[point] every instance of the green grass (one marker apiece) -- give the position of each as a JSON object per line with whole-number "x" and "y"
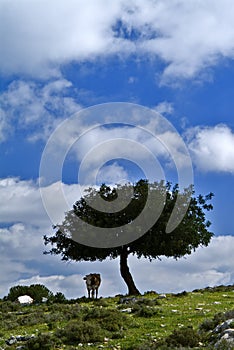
{"x": 103, "y": 324}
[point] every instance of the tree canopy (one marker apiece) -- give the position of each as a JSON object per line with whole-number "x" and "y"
{"x": 190, "y": 233}
{"x": 35, "y": 291}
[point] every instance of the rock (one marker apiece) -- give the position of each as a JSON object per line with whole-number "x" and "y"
{"x": 162, "y": 296}
{"x": 25, "y": 299}
{"x": 225, "y": 335}
{"x": 12, "y": 340}
{"x": 129, "y": 309}
{"x": 127, "y": 300}
{"x": 225, "y": 343}
{"x": 225, "y": 325}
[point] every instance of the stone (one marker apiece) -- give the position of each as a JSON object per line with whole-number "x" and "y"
{"x": 162, "y": 296}
{"x": 127, "y": 300}
{"x": 225, "y": 325}
{"x": 12, "y": 340}
{"x": 225, "y": 335}
{"x": 129, "y": 310}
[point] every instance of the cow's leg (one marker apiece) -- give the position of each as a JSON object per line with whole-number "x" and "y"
{"x": 89, "y": 293}
{"x": 96, "y": 293}
{"x": 93, "y": 293}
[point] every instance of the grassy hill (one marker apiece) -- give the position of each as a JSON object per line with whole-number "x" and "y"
{"x": 151, "y": 321}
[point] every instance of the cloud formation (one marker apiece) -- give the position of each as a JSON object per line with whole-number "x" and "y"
{"x": 187, "y": 36}
{"x": 22, "y": 235}
{"x": 208, "y": 266}
{"x": 212, "y": 148}
{"x": 38, "y": 107}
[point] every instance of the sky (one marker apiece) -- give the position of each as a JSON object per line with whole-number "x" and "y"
{"x": 160, "y": 73}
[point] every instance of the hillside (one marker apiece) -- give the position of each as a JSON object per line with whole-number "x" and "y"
{"x": 151, "y": 321}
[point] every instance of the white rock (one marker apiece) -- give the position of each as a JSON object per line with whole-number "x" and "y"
{"x": 162, "y": 296}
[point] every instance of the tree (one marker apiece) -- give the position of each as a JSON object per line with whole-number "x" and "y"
{"x": 35, "y": 291}
{"x": 191, "y": 233}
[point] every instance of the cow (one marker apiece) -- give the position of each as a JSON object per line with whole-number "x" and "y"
{"x": 93, "y": 281}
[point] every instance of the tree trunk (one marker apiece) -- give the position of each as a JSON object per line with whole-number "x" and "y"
{"x": 125, "y": 273}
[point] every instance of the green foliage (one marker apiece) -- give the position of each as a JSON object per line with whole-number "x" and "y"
{"x": 192, "y": 232}
{"x": 224, "y": 345}
{"x": 41, "y": 342}
{"x": 83, "y": 332}
{"x": 64, "y": 326}
{"x": 218, "y": 318}
{"x": 35, "y": 291}
{"x": 58, "y": 298}
{"x": 8, "y": 306}
{"x": 145, "y": 311}
{"x": 111, "y": 320}
{"x": 183, "y": 337}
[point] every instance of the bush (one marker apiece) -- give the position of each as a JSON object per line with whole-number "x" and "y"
{"x": 83, "y": 332}
{"x": 183, "y": 337}
{"x": 58, "y": 298}
{"x": 111, "y": 320}
{"x": 35, "y": 291}
{"x": 8, "y": 306}
{"x": 145, "y": 311}
{"x": 147, "y": 302}
{"x": 207, "y": 325}
{"x": 218, "y": 318}
{"x": 43, "y": 341}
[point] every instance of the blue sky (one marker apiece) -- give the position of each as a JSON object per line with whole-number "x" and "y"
{"x": 174, "y": 57}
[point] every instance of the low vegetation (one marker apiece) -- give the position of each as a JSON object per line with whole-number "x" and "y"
{"x": 172, "y": 321}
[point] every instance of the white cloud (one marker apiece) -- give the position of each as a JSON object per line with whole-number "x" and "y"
{"x": 94, "y": 146}
{"x": 21, "y": 248}
{"x": 164, "y": 107}
{"x": 113, "y": 173}
{"x": 31, "y": 106}
{"x": 212, "y": 148}
{"x": 188, "y": 36}
{"x": 37, "y": 38}
{"x": 208, "y": 266}
{"x": 4, "y": 127}
{"x": 22, "y": 202}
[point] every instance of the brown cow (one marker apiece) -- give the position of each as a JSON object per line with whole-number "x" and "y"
{"x": 93, "y": 281}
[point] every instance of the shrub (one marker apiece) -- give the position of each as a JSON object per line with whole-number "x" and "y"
{"x": 147, "y": 302}
{"x": 145, "y": 311}
{"x": 183, "y": 337}
{"x": 181, "y": 294}
{"x": 223, "y": 344}
{"x": 58, "y": 298}
{"x": 218, "y": 318}
{"x": 35, "y": 291}
{"x": 111, "y": 320}
{"x": 101, "y": 302}
{"x": 84, "y": 332}
{"x": 207, "y": 325}
{"x": 43, "y": 341}
{"x": 8, "y": 306}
